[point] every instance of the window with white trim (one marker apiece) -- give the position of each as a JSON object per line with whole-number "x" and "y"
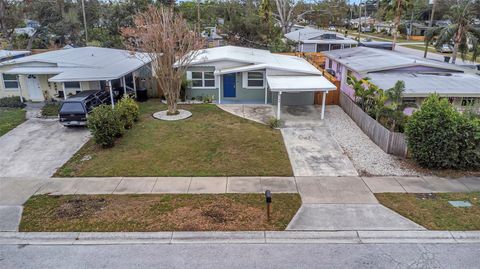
{"x": 255, "y": 79}
{"x": 468, "y": 101}
{"x": 10, "y": 82}
{"x": 203, "y": 79}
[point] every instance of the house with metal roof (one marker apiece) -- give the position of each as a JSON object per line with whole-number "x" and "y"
{"x": 6, "y": 55}
{"x": 422, "y": 76}
{"x": 61, "y": 73}
{"x": 317, "y": 40}
{"x": 238, "y": 75}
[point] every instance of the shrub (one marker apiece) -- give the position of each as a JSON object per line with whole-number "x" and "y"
{"x": 273, "y": 122}
{"x": 440, "y": 137}
{"x": 50, "y": 109}
{"x": 128, "y": 111}
{"x": 105, "y": 125}
{"x": 11, "y": 102}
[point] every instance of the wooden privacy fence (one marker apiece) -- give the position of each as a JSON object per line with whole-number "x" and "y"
{"x": 391, "y": 142}
{"x": 317, "y": 59}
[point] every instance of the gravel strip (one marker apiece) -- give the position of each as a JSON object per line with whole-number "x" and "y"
{"x": 367, "y": 157}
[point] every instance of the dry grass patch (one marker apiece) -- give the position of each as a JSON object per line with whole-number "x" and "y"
{"x": 150, "y": 213}
{"x": 210, "y": 143}
{"x": 433, "y": 210}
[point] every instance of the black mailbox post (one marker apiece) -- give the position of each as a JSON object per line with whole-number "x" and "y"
{"x": 268, "y": 200}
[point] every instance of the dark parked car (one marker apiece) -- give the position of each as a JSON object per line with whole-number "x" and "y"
{"x": 74, "y": 111}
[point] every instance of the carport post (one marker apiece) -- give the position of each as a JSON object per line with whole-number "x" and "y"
{"x": 111, "y": 93}
{"x": 64, "y": 92}
{"x": 134, "y": 85}
{"x": 124, "y": 86}
{"x": 323, "y": 103}
{"x": 217, "y": 83}
{"x": 279, "y": 98}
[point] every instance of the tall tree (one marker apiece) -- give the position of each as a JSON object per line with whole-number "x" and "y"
{"x": 10, "y": 18}
{"x": 289, "y": 13}
{"x": 170, "y": 43}
{"x": 461, "y": 31}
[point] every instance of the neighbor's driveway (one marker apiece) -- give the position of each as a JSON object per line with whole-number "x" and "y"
{"x": 37, "y": 147}
{"x": 311, "y": 148}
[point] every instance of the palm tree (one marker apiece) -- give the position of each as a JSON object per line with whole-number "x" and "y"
{"x": 362, "y": 91}
{"x": 397, "y": 6}
{"x": 461, "y": 31}
{"x": 396, "y": 106}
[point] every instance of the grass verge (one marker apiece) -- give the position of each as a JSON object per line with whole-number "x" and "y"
{"x": 433, "y": 211}
{"x": 10, "y": 118}
{"x": 210, "y": 143}
{"x": 162, "y": 212}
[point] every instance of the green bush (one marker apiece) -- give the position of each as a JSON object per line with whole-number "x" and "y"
{"x": 105, "y": 125}
{"x": 273, "y": 123}
{"x": 12, "y": 102}
{"x": 440, "y": 137}
{"x": 51, "y": 109}
{"x": 127, "y": 109}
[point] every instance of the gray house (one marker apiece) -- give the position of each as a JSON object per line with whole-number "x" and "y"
{"x": 237, "y": 75}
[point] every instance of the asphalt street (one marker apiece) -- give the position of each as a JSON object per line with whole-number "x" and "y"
{"x": 241, "y": 256}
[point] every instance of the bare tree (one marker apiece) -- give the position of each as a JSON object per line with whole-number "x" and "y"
{"x": 288, "y": 14}
{"x": 170, "y": 44}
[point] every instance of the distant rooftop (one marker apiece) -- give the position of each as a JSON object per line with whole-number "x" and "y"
{"x": 8, "y": 54}
{"x": 312, "y": 35}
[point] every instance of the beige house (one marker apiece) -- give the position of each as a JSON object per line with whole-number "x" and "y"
{"x": 62, "y": 73}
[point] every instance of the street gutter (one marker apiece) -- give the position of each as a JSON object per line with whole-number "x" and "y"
{"x": 255, "y": 237}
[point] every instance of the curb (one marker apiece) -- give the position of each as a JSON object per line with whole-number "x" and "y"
{"x": 259, "y": 237}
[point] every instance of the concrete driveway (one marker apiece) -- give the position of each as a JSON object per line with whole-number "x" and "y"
{"x": 311, "y": 148}
{"x": 37, "y": 147}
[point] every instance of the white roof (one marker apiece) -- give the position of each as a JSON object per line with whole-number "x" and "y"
{"x": 365, "y": 60}
{"x": 299, "y": 83}
{"x": 423, "y": 84}
{"x": 80, "y": 64}
{"x": 265, "y": 58}
{"x": 312, "y": 35}
{"x": 12, "y": 53}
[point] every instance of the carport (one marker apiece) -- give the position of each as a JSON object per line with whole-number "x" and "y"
{"x": 299, "y": 84}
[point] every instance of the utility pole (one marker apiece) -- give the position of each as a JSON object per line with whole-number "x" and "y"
{"x": 430, "y": 24}
{"x": 85, "y": 22}
{"x": 359, "y": 21}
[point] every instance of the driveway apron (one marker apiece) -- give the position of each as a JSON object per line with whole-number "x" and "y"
{"x": 37, "y": 147}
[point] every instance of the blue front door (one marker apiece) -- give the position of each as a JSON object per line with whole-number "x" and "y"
{"x": 229, "y": 85}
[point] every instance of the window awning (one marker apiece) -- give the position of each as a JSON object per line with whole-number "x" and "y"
{"x": 299, "y": 84}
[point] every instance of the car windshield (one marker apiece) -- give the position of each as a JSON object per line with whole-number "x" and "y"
{"x": 73, "y": 107}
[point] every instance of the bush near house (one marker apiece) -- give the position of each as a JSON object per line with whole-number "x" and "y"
{"x": 438, "y": 136}
{"x": 51, "y": 109}
{"x": 105, "y": 125}
{"x": 128, "y": 111}
{"x": 11, "y": 102}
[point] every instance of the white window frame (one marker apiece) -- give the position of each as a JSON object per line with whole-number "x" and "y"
{"x": 190, "y": 78}
{"x": 245, "y": 80}
{"x": 10, "y": 80}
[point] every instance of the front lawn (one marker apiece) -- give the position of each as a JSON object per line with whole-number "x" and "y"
{"x": 10, "y": 118}
{"x": 433, "y": 211}
{"x": 162, "y": 212}
{"x": 210, "y": 143}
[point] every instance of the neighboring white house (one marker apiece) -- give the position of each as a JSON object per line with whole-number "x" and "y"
{"x": 422, "y": 76}
{"x": 60, "y": 73}
{"x": 232, "y": 74}
{"x": 316, "y": 40}
{"x": 6, "y": 55}
{"x": 212, "y": 37}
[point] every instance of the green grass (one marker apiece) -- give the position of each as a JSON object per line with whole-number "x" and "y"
{"x": 433, "y": 210}
{"x": 51, "y": 109}
{"x": 210, "y": 143}
{"x": 152, "y": 212}
{"x": 10, "y": 118}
